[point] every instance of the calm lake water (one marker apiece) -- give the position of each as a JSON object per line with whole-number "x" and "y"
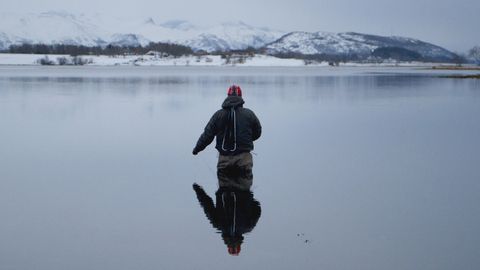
{"x": 357, "y": 168}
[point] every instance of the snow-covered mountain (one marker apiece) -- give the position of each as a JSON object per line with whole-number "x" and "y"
{"x": 352, "y": 44}
{"x": 57, "y": 27}
{"x": 49, "y": 28}
{"x": 90, "y": 30}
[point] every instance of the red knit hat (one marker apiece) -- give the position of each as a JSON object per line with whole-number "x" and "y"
{"x": 234, "y": 250}
{"x": 234, "y": 90}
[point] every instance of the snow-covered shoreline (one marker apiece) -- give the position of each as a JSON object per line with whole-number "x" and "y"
{"x": 205, "y": 60}
{"x": 150, "y": 60}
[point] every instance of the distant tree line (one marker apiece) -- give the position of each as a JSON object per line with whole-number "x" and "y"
{"x": 74, "y": 50}
{"x": 249, "y": 51}
{"x": 396, "y": 53}
{"x": 62, "y": 61}
{"x": 377, "y": 55}
{"x": 321, "y": 57}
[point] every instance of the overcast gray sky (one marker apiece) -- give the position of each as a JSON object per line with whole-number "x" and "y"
{"x": 448, "y": 23}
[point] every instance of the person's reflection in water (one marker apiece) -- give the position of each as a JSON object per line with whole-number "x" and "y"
{"x": 235, "y": 212}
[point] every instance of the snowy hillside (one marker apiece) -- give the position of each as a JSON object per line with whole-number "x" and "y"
{"x": 91, "y": 30}
{"x": 351, "y": 43}
{"x": 62, "y": 27}
{"x": 48, "y": 28}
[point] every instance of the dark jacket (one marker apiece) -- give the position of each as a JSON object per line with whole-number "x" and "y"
{"x": 235, "y": 212}
{"x": 234, "y": 126}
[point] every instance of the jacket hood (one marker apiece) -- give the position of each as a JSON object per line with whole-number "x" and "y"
{"x": 232, "y": 101}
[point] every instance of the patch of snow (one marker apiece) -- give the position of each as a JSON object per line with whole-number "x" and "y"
{"x": 152, "y": 59}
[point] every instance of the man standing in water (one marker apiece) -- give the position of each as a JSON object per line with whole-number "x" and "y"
{"x": 235, "y": 129}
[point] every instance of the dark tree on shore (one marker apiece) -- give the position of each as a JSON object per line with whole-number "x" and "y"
{"x": 474, "y": 54}
{"x": 396, "y": 53}
{"x": 459, "y": 59}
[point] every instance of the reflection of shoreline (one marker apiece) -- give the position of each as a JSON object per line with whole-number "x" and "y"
{"x": 473, "y": 76}
{"x": 449, "y": 67}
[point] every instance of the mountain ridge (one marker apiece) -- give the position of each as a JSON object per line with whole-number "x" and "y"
{"x": 60, "y": 27}
{"x": 66, "y": 28}
{"x": 352, "y": 43}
